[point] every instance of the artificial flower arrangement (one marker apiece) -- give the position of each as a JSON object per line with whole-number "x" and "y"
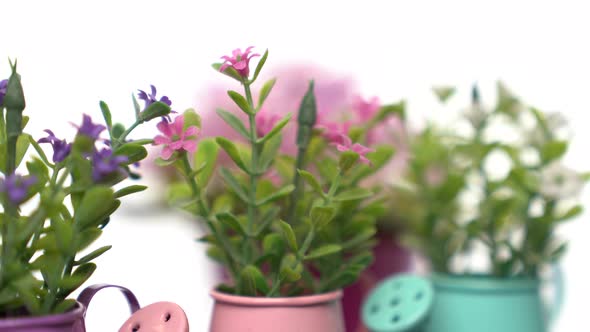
{"x": 285, "y": 225}
{"x": 482, "y": 202}
{"x": 55, "y": 208}
{"x": 460, "y": 195}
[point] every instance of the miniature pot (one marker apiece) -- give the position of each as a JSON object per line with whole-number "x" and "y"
{"x": 71, "y": 321}
{"x": 459, "y": 304}
{"x": 314, "y": 313}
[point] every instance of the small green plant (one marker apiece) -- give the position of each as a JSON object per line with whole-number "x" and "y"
{"x": 286, "y": 225}
{"x": 500, "y": 183}
{"x": 59, "y": 208}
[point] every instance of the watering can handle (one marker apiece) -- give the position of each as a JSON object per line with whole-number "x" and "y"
{"x": 87, "y": 294}
{"x": 559, "y": 294}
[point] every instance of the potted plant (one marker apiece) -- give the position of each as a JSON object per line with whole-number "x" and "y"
{"x": 338, "y": 102}
{"x": 291, "y": 231}
{"x": 496, "y": 188}
{"x": 54, "y": 208}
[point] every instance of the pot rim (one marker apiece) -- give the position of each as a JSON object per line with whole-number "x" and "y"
{"x": 484, "y": 282}
{"x": 36, "y": 321}
{"x": 295, "y": 301}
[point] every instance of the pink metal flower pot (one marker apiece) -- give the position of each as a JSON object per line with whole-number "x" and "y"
{"x": 71, "y": 321}
{"x": 314, "y": 313}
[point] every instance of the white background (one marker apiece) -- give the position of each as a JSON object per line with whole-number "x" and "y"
{"x": 73, "y": 53}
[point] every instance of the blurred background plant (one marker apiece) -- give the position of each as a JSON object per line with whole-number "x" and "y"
{"x": 499, "y": 183}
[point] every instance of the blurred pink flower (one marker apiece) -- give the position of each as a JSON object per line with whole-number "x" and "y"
{"x": 239, "y": 61}
{"x": 347, "y": 145}
{"x": 365, "y": 110}
{"x": 265, "y": 121}
{"x": 435, "y": 175}
{"x": 331, "y": 130}
{"x": 175, "y": 138}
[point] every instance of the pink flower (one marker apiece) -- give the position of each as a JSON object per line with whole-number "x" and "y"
{"x": 331, "y": 130}
{"x": 365, "y": 109}
{"x": 175, "y": 137}
{"x": 265, "y": 121}
{"x": 361, "y": 150}
{"x": 239, "y": 61}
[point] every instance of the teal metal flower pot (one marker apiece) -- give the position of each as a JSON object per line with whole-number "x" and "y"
{"x": 452, "y": 303}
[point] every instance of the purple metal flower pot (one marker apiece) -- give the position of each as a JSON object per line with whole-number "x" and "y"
{"x": 71, "y": 321}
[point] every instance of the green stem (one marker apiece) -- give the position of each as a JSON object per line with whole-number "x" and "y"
{"x": 121, "y": 139}
{"x": 252, "y": 210}
{"x": 231, "y": 256}
{"x": 299, "y": 164}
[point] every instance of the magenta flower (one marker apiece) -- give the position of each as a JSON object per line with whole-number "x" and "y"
{"x": 176, "y": 138}
{"x": 361, "y": 150}
{"x": 265, "y": 121}
{"x": 3, "y": 85}
{"x": 239, "y": 61}
{"x": 61, "y": 149}
{"x": 16, "y": 187}
{"x": 365, "y": 109}
{"x": 333, "y": 131}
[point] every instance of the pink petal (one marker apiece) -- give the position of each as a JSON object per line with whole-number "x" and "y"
{"x": 191, "y": 131}
{"x": 190, "y": 145}
{"x": 167, "y": 153}
{"x": 178, "y": 125}
{"x": 223, "y": 67}
{"x": 164, "y": 128}
{"x": 158, "y": 140}
{"x": 364, "y": 160}
{"x": 177, "y": 145}
{"x": 240, "y": 65}
{"x": 360, "y": 149}
{"x": 346, "y": 141}
{"x": 342, "y": 148}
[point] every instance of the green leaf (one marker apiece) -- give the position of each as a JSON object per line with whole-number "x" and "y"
{"x": 129, "y": 190}
{"x": 273, "y": 243}
{"x": 64, "y": 233}
{"x": 234, "y": 184}
{"x": 571, "y": 213}
{"x": 106, "y": 114}
{"x": 443, "y": 92}
{"x": 136, "y": 106}
{"x": 64, "y": 306}
{"x": 240, "y": 101}
{"x": 234, "y": 122}
{"x": 96, "y": 205}
{"x": 229, "y": 71}
{"x": 322, "y": 215}
{"x": 265, "y": 91}
{"x": 252, "y": 280}
{"x": 290, "y": 268}
{"x": 276, "y": 129}
{"x": 312, "y": 181}
{"x": 96, "y": 253}
{"x": 207, "y": 153}
{"x": 259, "y": 66}
{"x": 347, "y": 160}
{"x": 325, "y": 250}
{"x": 267, "y": 218}
{"x": 553, "y": 150}
{"x": 288, "y": 235}
{"x": 286, "y": 190}
{"x": 39, "y": 150}
{"x": 232, "y": 151}
{"x": 22, "y": 145}
{"x": 118, "y": 130}
{"x": 163, "y": 163}
{"x": 134, "y": 152}
{"x": 73, "y": 282}
{"x": 86, "y": 238}
{"x": 191, "y": 118}
{"x": 231, "y": 221}
{"x": 362, "y": 237}
{"x": 154, "y": 110}
{"x": 269, "y": 153}
{"x": 353, "y": 195}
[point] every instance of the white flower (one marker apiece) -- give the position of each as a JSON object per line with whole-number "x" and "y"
{"x": 476, "y": 115}
{"x": 555, "y": 122}
{"x": 558, "y": 181}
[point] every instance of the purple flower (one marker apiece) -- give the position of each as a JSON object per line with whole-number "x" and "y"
{"x": 61, "y": 149}
{"x": 16, "y": 187}
{"x": 3, "y": 85}
{"x": 151, "y": 98}
{"x": 90, "y": 129}
{"x": 104, "y": 163}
